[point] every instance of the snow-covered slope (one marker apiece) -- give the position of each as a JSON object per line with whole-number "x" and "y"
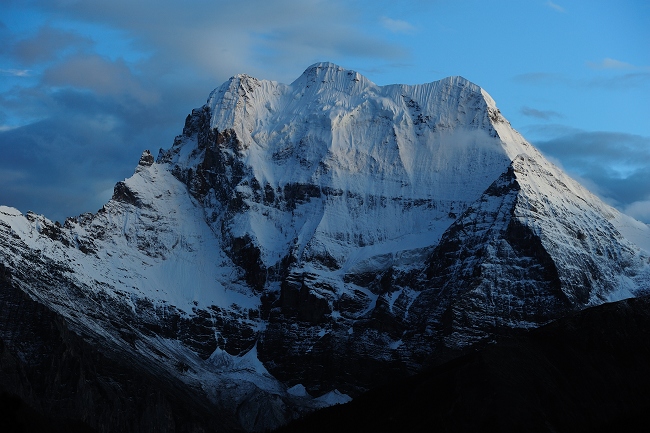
{"x": 309, "y": 239}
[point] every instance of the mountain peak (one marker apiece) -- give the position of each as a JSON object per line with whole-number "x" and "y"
{"x": 325, "y": 70}
{"x": 331, "y": 76}
{"x": 297, "y": 232}
{"x": 146, "y": 159}
{"x": 458, "y": 81}
{"x": 323, "y": 66}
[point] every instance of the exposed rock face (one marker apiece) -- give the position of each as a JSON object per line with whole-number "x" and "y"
{"x": 586, "y": 372}
{"x": 61, "y": 373}
{"x": 146, "y": 159}
{"x": 324, "y": 235}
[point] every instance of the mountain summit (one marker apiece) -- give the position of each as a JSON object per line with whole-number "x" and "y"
{"x": 299, "y": 244}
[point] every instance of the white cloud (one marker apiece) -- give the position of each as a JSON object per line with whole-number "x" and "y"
{"x": 100, "y": 75}
{"x": 615, "y": 166}
{"x": 275, "y": 40}
{"x": 397, "y": 26}
{"x": 555, "y": 6}
{"x": 608, "y": 63}
{"x": 16, "y": 72}
{"x": 639, "y": 210}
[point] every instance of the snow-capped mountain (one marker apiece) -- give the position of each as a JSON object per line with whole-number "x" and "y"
{"x": 300, "y": 243}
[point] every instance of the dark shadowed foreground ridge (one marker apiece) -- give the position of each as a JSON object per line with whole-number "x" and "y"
{"x": 584, "y": 373}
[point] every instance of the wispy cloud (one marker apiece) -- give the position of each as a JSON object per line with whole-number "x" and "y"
{"x": 47, "y": 45}
{"x": 11, "y": 175}
{"x": 397, "y": 26}
{"x": 86, "y": 108}
{"x": 615, "y": 165}
{"x": 102, "y": 76}
{"x": 615, "y": 148}
{"x": 617, "y": 75}
{"x": 608, "y": 63}
{"x": 639, "y": 77}
{"x": 555, "y": 6}
{"x": 625, "y": 81}
{"x": 639, "y": 210}
{"x": 16, "y": 72}
{"x": 538, "y": 78}
{"x": 540, "y": 114}
{"x": 278, "y": 39}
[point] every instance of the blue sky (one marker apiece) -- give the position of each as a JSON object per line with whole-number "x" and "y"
{"x": 85, "y": 86}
